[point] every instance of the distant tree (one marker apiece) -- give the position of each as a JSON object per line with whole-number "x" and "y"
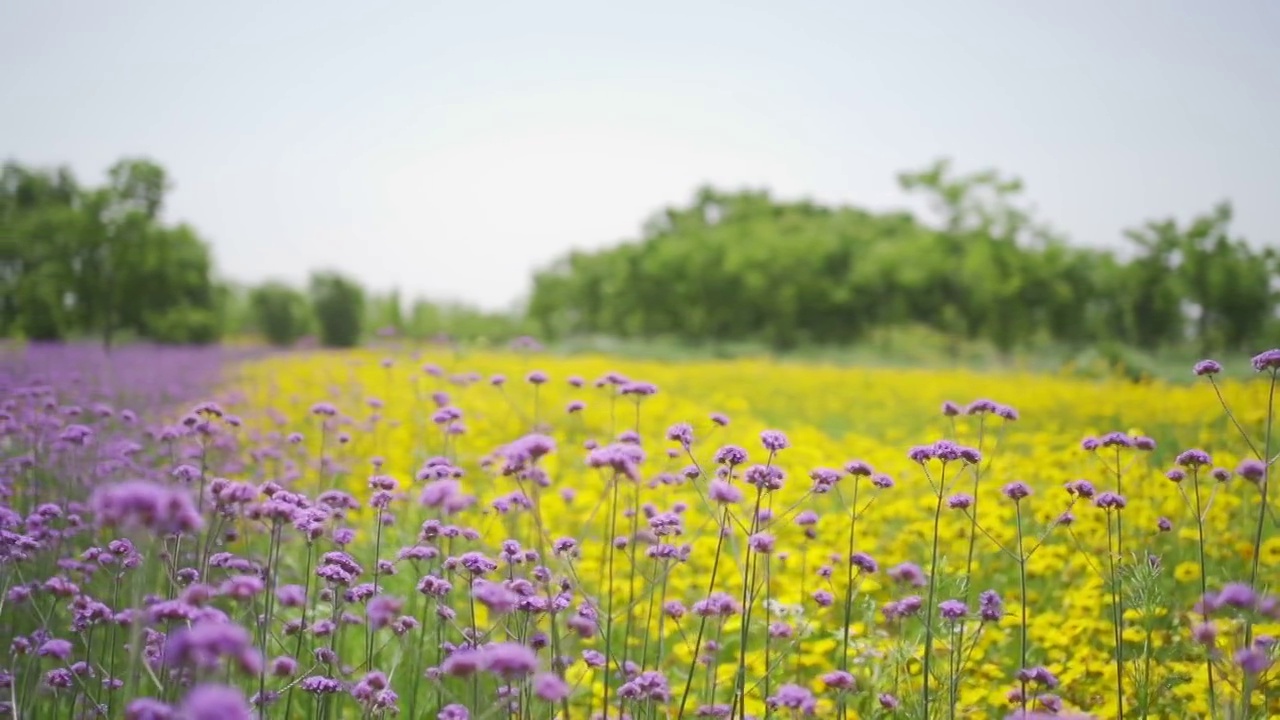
{"x": 279, "y": 312}
{"x": 100, "y": 260}
{"x": 338, "y": 305}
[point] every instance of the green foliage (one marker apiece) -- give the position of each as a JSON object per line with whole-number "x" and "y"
{"x": 279, "y": 312}
{"x": 77, "y": 260}
{"x": 338, "y": 303}
{"x": 745, "y": 267}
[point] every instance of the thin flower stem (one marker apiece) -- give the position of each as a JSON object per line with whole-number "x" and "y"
{"x": 1022, "y": 601}
{"x": 1116, "y": 617}
{"x": 1264, "y": 490}
{"x": 1204, "y": 588}
{"x": 933, "y": 572}
{"x": 1230, "y": 415}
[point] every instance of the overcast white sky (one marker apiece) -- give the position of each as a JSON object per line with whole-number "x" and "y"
{"x": 451, "y": 148}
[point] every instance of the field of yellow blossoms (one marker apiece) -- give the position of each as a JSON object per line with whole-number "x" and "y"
{"x": 833, "y": 487}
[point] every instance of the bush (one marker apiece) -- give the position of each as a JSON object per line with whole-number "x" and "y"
{"x": 338, "y": 303}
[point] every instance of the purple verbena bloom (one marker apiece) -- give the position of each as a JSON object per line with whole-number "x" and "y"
{"x": 774, "y": 440}
{"x": 1016, "y": 491}
{"x": 1194, "y": 458}
{"x": 1252, "y": 470}
{"x": 215, "y": 702}
{"x": 1267, "y": 360}
{"x": 1207, "y": 367}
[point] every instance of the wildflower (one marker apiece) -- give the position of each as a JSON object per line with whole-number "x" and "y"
{"x": 1164, "y": 524}
{"x": 1207, "y": 367}
{"x": 960, "y": 501}
{"x": 793, "y": 697}
{"x": 1081, "y": 488}
{"x": 1109, "y": 501}
{"x": 863, "y": 562}
{"x": 147, "y": 709}
{"x": 1194, "y": 458}
{"x": 724, "y": 493}
{"x": 57, "y": 649}
{"x": 952, "y": 609}
{"x": 454, "y": 712}
{"x": 838, "y": 680}
{"x": 1236, "y": 595}
{"x": 537, "y": 377}
{"x": 720, "y": 419}
{"x": 774, "y": 440}
{"x": 1175, "y": 475}
{"x": 762, "y": 543}
{"x": 550, "y": 687}
{"x": 509, "y": 660}
{"x": 1251, "y": 470}
{"x": 1016, "y": 491}
{"x": 137, "y": 504}
{"x": 681, "y": 433}
{"x": 1254, "y": 661}
{"x": 1267, "y": 360}
{"x": 909, "y": 574}
{"x": 215, "y": 702}
{"x": 990, "y": 606}
{"x": 950, "y": 409}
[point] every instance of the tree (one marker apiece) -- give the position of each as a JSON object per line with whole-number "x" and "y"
{"x": 279, "y": 312}
{"x": 100, "y": 260}
{"x": 338, "y": 304}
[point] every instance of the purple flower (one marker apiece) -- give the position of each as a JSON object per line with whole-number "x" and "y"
{"x": 960, "y": 501}
{"x": 550, "y": 687}
{"x": 952, "y": 609}
{"x": 454, "y": 712}
{"x": 320, "y": 685}
{"x": 724, "y": 493}
{"x": 720, "y": 419}
{"x": 1236, "y": 595}
{"x": 1164, "y": 524}
{"x": 147, "y": 709}
{"x": 774, "y": 441}
{"x": 537, "y": 377}
{"x": 1251, "y": 470}
{"x": 1016, "y": 491}
{"x": 793, "y": 697}
{"x": 1267, "y": 360}
{"x": 206, "y": 643}
{"x": 990, "y": 606}
{"x": 215, "y": 702}
{"x": 1207, "y": 367}
{"x": 950, "y": 409}
{"x": 1194, "y": 458}
{"x": 839, "y": 681}
{"x": 1109, "y": 501}
{"x": 1253, "y": 661}
{"x": 908, "y": 574}
{"x": 1175, "y": 475}
{"x": 762, "y": 543}
{"x": 57, "y": 649}
{"x": 510, "y": 660}
{"x": 138, "y": 504}
{"x": 681, "y": 433}
{"x": 863, "y": 562}
{"x": 1081, "y": 488}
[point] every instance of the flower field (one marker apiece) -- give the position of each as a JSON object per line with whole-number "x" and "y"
{"x": 442, "y": 534}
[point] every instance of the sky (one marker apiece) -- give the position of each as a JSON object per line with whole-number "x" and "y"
{"x": 451, "y": 149}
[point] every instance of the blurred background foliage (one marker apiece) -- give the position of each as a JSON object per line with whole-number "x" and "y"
{"x": 982, "y": 280}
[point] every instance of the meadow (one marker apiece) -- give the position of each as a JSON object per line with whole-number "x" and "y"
{"x": 437, "y": 533}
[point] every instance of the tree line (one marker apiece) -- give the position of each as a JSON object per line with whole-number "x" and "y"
{"x": 82, "y": 261}
{"x": 746, "y": 266}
